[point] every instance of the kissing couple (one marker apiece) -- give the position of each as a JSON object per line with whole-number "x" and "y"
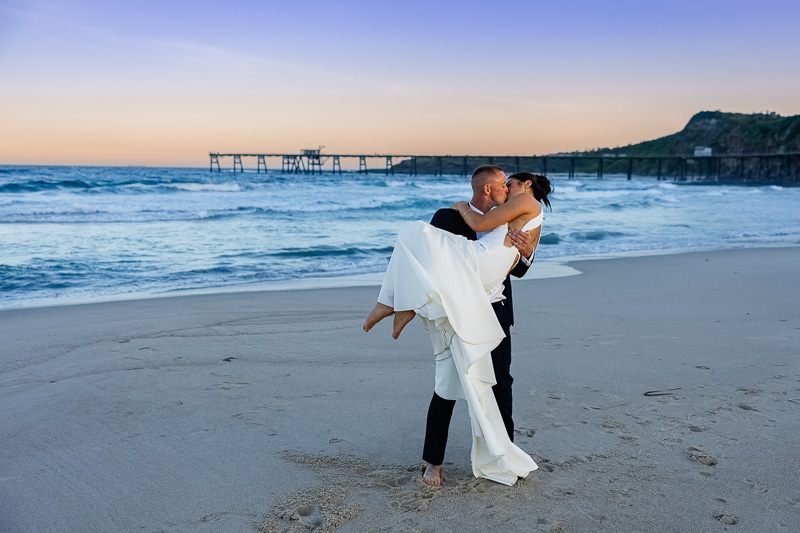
{"x": 453, "y": 274}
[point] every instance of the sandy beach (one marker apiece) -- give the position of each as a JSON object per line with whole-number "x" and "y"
{"x": 656, "y": 393}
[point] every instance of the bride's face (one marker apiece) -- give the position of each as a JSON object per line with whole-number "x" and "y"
{"x": 515, "y": 187}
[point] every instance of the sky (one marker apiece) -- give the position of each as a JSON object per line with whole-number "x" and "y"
{"x": 163, "y": 83}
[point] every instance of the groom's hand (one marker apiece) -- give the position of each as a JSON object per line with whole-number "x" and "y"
{"x": 522, "y": 241}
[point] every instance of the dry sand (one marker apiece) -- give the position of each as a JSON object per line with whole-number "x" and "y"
{"x": 274, "y": 411}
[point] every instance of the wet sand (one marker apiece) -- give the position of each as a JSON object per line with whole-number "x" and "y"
{"x": 656, "y": 393}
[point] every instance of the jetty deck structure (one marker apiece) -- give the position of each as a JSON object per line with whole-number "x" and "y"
{"x": 748, "y": 167}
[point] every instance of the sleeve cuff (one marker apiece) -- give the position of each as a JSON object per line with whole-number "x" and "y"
{"x": 527, "y": 260}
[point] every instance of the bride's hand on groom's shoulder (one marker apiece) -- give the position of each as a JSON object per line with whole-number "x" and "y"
{"x": 459, "y": 206}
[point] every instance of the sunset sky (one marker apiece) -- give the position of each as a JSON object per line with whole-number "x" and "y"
{"x": 163, "y": 83}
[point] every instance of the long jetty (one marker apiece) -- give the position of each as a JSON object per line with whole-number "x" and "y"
{"x": 747, "y": 167}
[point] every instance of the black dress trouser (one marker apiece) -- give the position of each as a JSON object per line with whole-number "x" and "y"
{"x": 441, "y": 410}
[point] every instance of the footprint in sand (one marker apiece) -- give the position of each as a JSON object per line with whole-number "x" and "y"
{"x": 726, "y": 518}
{"x": 701, "y": 457}
{"x": 319, "y": 509}
{"x": 557, "y": 493}
{"x": 387, "y": 478}
{"x": 523, "y": 432}
{"x": 308, "y": 515}
{"x": 756, "y": 485}
{"x": 415, "y": 500}
{"x": 544, "y": 464}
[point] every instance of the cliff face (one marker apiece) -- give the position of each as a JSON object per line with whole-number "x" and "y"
{"x": 726, "y": 134}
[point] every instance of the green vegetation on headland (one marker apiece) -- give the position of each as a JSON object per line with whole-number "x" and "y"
{"x": 725, "y": 134}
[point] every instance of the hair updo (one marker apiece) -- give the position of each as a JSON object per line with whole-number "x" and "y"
{"x": 540, "y": 185}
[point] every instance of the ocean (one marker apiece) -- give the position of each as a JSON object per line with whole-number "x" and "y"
{"x": 80, "y": 234}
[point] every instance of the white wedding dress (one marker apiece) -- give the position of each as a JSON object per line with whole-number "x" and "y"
{"x": 445, "y": 279}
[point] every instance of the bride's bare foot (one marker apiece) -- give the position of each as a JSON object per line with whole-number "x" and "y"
{"x": 432, "y": 475}
{"x": 401, "y": 318}
{"x": 378, "y": 313}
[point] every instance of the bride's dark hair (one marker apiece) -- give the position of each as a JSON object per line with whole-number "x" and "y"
{"x": 540, "y": 185}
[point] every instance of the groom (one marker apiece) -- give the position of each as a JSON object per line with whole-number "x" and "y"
{"x": 488, "y": 190}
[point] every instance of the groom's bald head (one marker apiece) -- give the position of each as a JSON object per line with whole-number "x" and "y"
{"x": 485, "y": 174}
{"x": 488, "y": 187}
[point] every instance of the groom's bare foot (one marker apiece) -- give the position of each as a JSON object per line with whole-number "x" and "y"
{"x": 432, "y": 475}
{"x": 401, "y": 318}
{"x": 378, "y": 313}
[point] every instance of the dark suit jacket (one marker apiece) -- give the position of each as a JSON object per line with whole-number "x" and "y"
{"x": 450, "y": 220}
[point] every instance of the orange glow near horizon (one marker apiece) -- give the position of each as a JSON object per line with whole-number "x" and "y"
{"x": 155, "y": 138}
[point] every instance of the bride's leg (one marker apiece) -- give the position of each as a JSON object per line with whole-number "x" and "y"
{"x": 378, "y": 313}
{"x": 401, "y": 318}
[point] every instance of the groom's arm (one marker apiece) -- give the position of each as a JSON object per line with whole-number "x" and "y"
{"x": 450, "y": 220}
{"x": 521, "y": 269}
{"x": 524, "y": 243}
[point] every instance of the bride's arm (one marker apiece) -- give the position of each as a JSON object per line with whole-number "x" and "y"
{"x": 516, "y": 206}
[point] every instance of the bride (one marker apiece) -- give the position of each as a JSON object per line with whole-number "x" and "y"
{"x": 445, "y": 278}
